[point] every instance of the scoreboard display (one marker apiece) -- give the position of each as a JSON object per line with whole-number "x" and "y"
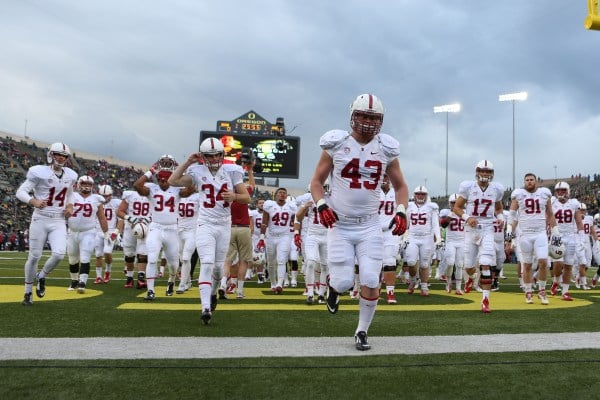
{"x": 277, "y": 154}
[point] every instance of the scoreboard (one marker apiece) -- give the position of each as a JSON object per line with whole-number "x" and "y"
{"x": 249, "y": 124}
{"x": 277, "y": 154}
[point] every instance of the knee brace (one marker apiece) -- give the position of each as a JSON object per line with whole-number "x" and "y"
{"x": 129, "y": 259}
{"x": 142, "y": 258}
{"x": 294, "y": 265}
{"x": 486, "y": 276}
{"x": 85, "y": 268}
{"x": 74, "y": 268}
{"x": 389, "y": 268}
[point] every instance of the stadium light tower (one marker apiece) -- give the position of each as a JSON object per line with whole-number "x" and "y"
{"x": 447, "y": 108}
{"x": 513, "y": 97}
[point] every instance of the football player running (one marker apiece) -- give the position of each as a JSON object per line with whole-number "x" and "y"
{"x": 423, "y": 235}
{"x": 49, "y": 190}
{"x": 88, "y": 212}
{"x": 479, "y": 204}
{"x": 531, "y": 208}
{"x": 218, "y": 184}
{"x": 455, "y": 246}
{"x": 164, "y": 211}
{"x": 355, "y": 163}
{"x": 105, "y": 247}
{"x": 570, "y": 228}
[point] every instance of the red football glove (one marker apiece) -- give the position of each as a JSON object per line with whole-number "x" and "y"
{"x": 399, "y": 223}
{"x": 327, "y": 216}
{"x": 298, "y": 240}
{"x": 113, "y": 236}
{"x": 260, "y": 246}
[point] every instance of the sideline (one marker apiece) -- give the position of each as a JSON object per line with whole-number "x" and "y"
{"x": 95, "y": 348}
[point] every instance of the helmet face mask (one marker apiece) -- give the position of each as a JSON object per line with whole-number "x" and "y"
{"x": 484, "y": 171}
{"x": 85, "y": 184}
{"x": 58, "y": 149}
{"x": 213, "y": 153}
{"x": 562, "y": 191}
{"x": 366, "y": 116}
{"x": 420, "y": 194}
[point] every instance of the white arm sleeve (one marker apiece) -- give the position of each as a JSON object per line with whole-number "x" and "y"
{"x": 23, "y": 192}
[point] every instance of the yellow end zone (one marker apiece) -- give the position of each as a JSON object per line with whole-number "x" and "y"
{"x": 296, "y": 301}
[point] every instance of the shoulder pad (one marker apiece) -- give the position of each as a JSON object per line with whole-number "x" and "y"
{"x": 232, "y": 168}
{"x": 332, "y": 138}
{"x": 389, "y": 145}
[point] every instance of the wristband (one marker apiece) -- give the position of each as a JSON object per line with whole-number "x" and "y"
{"x": 296, "y": 232}
{"x": 320, "y": 203}
{"x": 501, "y": 217}
{"x": 148, "y": 174}
{"x": 262, "y": 236}
{"x": 401, "y": 209}
{"x": 464, "y": 217}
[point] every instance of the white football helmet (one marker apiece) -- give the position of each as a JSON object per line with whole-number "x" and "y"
{"x": 60, "y": 149}
{"x": 85, "y": 184}
{"x": 258, "y": 258}
{"x": 486, "y": 167}
{"x": 140, "y": 230}
{"x": 556, "y": 250}
{"x": 562, "y": 191}
{"x": 420, "y": 194}
{"x": 105, "y": 190}
{"x": 451, "y": 200}
{"x": 166, "y": 165}
{"x": 583, "y": 208}
{"x": 366, "y": 115}
{"x": 212, "y": 146}
{"x": 597, "y": 219}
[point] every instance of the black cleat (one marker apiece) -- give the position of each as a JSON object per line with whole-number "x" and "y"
{"x": 206, "y": 316}
{"x": 333, "y": 300}
{"x": 150, "y": 295}
{"x": 170, "y": 286}
{"x": 213, "y": 302}
{"x": 222, "y": 295}
{"x": 27, "y": 301}
{"x": 81, "y": 287}
{"x": 40, "y": 288}
{"x": 361, "y": 341}
{"x": 321, "y": 300}
{"x": 73, "y": 285}
{"x": 310, "y": 300}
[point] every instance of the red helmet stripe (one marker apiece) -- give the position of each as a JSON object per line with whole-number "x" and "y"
{"x": 370, "y": 101}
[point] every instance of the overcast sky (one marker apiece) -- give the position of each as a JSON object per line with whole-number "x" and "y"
{"x": 135, "y": 79}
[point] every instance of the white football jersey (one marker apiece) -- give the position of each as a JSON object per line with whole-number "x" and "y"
{"x": 300, "y": 201}
{"x": 137, "y": 205}
{"x": 212, "y": 204}
{"x": 588, "y": 224}
{"x": 164, "y": 204}
{"x": 564, "y": 213}
{"x": 45, "y": 185}
{"x": 532, "y": 208}
{"x": 256, "y": 216}
{"x": 281, "y": 217}
{"x": 110, "y": 212}
{"x": 357, "y": 171}
{"x": 188, "y": 212}
{"x": 387, "y": 208}
{"x": 84, "y": 212}
{"x": 424, "y": 219}
{"x": 481, "y": 204}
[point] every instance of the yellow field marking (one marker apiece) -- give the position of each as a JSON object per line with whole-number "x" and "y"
{"x": 296, "y": 301}
{"x": 14, "y": 293}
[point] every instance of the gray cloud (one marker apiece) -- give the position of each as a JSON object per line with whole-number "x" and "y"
{"x": 134, "y": 78}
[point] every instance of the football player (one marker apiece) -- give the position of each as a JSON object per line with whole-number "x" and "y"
{"x": 391, "y": 243}
{"x": 88, "y": 212}
{"x": 455, "y": 245}
{"x": 49, "y": 190}
{"x": 218, "y": 184}
{"x": 479, "y": 204}
{"x": 104, "y": 248}
{"x": 355, "y": 163}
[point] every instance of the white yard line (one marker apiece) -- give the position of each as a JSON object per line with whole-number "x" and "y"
{"x": 242, "y": 347}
